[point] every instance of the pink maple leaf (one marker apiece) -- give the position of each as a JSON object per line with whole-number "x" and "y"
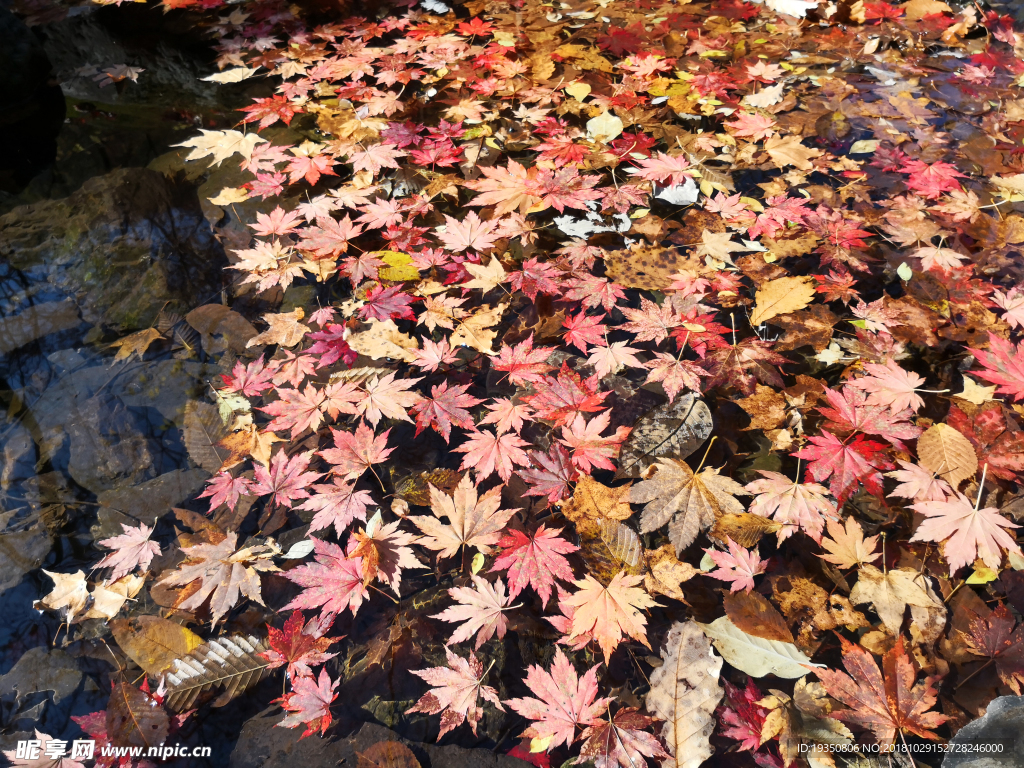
{"x": 1003, "y": 366}
{"x": 309, "y": 703}
{"x": 523, "y": 363}
{"x": 330, "y": 236}
{"x": 310, "y": 168}
{"x": 663, "y": 169}
{"x": 469, "y": 234}
{"x": 551, "y": 474}
{"x": 132, "y": 549}
{"x": 536, "y": 277}
{"x": 589, "y": 449}
{"x": 890, "y": 386}
{"x": 675, "y": 374}
{"x": 534, "y": 561}
{"x": 332, "y": 584}
{"x": 251, "y": 380}
{"x": 225, "y": 489}
{"x": 386, "y": 396}
{"x": 559, "y": 400}
{"x": 295, "y": 410}
{"x": 374, "y": 158}
{"x": 336, "y": 504}
{"x": 277, "y": 222}
{"x": 286, "y": 480}
{"x": 738, "y": 565}
{"x": 584, "y": 330}
{"x": 850, "y": 413}
{"x": 798, "y": 506}
{"x": 968, "y": 531}
{"x": 481, "y": 611}
{"x": 455, "y": 692}
{"x": 354, "y": 453}
{"x": 487, "y": 453}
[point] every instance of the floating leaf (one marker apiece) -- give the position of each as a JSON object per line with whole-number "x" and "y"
{"x": 755, "y": 655}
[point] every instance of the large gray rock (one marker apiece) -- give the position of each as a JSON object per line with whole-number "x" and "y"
{"x": 124, "y": 246}
{"x": 993, "y": 741}
{"x": 107, "y": 447}
{"x": 263, "y": 745}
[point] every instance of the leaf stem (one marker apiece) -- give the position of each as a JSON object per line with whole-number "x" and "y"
{"x": 977, "y": 501}
{"x": 712, "y": 442}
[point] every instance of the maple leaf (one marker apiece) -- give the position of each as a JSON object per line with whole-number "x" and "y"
{"x": 918, "y": 483}
{"x": 251, "y": 380}
{"x": 743, "y": 363}
{"x": 589, "y": 449}
{"x": 738, "y": 565}
{"x": 851, "y": 413}
{"x": 1012, "y": 304}
{"x": 220, "y": 145}
{"x": 384, "y": 396}
{"x": 485, "y": 277}
{"x": 481, "y": 609}
{"x": 536, "y": 277}
{"x": 798, "y": 506}
{"x": 551, "y": 474}
{"x": 886, "y": 701}
{"x": 309, "y": 703}
{"x": 455, "y": 692}
{"x": 996, "y": 440}
{"x": 564, "y": 701}
{"x": 560, "y": 400}
{"x": 445, "y": 406}
{"x": 132, "y": 549}
{"x": 743, "y": 715}
{"x": 375, "y": 157}
{"x": 354, "y": 453}
{"x": 277, "y": 222}
{"x": 225, "y": 489}
{"x": 296, "y": 411}
{"x": 675, "y": 374}
{"x": 606, "y": 613}
{"x": 663, "y": 169}
{"x": 330, "y": 237}
{"x": 269, "y": 110}
{"x": 469, "y": 234}
{"x": 848, "y": 548}
{"x": 434, "y": 354}
{"x": 523, "y": 363}
{"x": 890, "y": 386}
{"x": 621, "y": 741}
{"x": 584, "y": 330}
{"x": 298, "y": 645}
{"x": 487, "y": 453}
{"x": 930, "y": 181}
{"x": 286, "y": 479}
{"x": 336, "y": 504}
{"x": 507, "y": 415}
{"x": 535, "y": 560}
{"x": 996, "y": 638}
{"x": 1004, "y": 366}
{"x": 847, "y": 464}
{"x": 333, "y": 583}
{"x": 47, "y": 746}
{"x": 614, "y": 357}
{"x": 223, "y": 573}
{"x": 689, "y": 503}
{"x": 473, "y": 520}
{"x": 385, "y": 552}
{"x": 652, "y": 322}
{"x": 387, "y": 304}
{"x": 968, "y": 531}
{"x": 751, "y": 124}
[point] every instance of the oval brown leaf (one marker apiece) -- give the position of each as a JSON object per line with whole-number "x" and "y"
{"x": 753, "y": 614}
{"x": 387, "y": 754}
{"x": 673, "y": 430}
{"x": 745, "y": 528}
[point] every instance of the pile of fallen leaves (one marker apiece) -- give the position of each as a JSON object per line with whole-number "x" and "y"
{"x": 691, "y": 328}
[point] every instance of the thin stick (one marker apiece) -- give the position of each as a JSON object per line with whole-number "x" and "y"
{"x": 706, "y": 453}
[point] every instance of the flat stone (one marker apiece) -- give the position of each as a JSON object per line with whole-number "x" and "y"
{"x": 147, "y": 501}
{"x": 995, "y": 740}
{"x": 263, "y": 745}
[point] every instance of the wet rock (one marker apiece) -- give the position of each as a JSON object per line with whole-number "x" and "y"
{"x": 39, "y": 690}
{"x": 35, "y": 322}
{"x": 31, "y": 105}
{"x": 123, "y": 246}
{"x": 147, "y": 501}
{"x": 262, "y": 745}
{"x": 24, "y": 545}
{"x": 993, "y": 741}
{"x": 107, "y": 447}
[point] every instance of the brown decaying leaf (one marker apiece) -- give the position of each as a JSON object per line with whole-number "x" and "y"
{"x": 780, "y": 297}
{"x": 812, "y": 326}
{"x": 203, "y": 433}
{"x": 766, "y": 408}
{"x": 387, "y": 754}
{"x": 285, "y": 329}
{"x": 947, "y": 453}
{"x": 135, "y": 343}
{"x": 593, "y": 502}
{"x": 153, "y": 642}
{"x": 134, "y": 718}
{"x": 753, "y": 614}
{"x": 744, "y": 528}
{"x": 673, "y": 430}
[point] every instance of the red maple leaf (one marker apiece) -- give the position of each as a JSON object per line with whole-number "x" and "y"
{"x": 309, "y": 703}
{"x": 997, "y": 638}
{"x": 621, "y": 741}
{"x": 225, "y": 489}
{"x": 445, "y": 406}
{"x": 310, "y": 168}
{"x": 997, "y": 440}
{"x": 534, "y": 561}
{"x": 268, "y": 111}
{"x": 885, "y": 701}
{"x": 523, "y": 363}
{"x": 332, "y": 584}
{"x": 741, "y": 364}
{"x": 551, "y": 474}
{"x": 931, "y": 181}
{"x": 251, "y": 380}
{"x": 298, "y": 645}
{"x": 331, "y": 346}
{"x": 387, "y": 304}
{"x": 330, "y": 236}
{"x": 850, "y": 414}
{"x": 584, "y": 330}
{"x": 561, "y": 399}
{"x": 354, "y": 453}
{"x": 1004, "y": 366}
{"x": 287, "y": 479}
{"x": 857, "y": 461}
{"x": 742, "y": 715}
{"x": 536, "y": 277}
